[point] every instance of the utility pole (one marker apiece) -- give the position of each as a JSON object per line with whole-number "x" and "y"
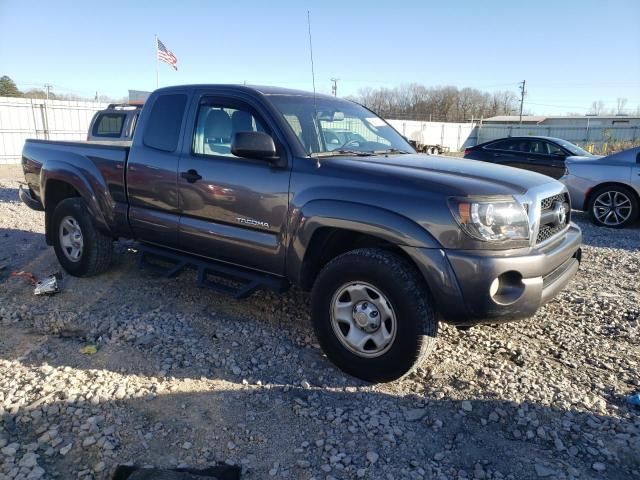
{"x": 522, "y": 92}
{"x": 48, "y": 88}
{"x": 334, "y": 88}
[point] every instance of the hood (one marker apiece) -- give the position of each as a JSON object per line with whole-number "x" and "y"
{"x": 582, "y": 158}
{"x": 446, "y": 175}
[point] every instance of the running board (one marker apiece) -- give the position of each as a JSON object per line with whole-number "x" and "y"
{"x": 234, "y": 281}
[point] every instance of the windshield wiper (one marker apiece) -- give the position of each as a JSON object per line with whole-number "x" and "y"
{"x": 390, "y": 150}
{"x": 336, "y": 153}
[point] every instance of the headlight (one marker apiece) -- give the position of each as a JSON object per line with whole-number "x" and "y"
{"x": 491, "y": 219}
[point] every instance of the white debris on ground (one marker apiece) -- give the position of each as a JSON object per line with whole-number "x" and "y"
{"x": 184, "y": 377}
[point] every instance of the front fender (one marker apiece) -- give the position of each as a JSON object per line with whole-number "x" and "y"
{"x": 90, "y": 185}
{"x": 365, "y": 219}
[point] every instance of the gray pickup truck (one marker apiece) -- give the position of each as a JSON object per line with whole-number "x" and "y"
{"x": 260, "y": 187}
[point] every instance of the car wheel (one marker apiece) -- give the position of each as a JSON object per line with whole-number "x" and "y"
{"x": 372, "y": 314}
{"x": 81, "y": 248}
{"x": 614, "y": 206}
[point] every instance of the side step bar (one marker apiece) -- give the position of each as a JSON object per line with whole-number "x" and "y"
{"x": 227, "y": 279}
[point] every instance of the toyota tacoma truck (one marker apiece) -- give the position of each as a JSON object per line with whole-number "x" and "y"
{"x": 249, "y": 186}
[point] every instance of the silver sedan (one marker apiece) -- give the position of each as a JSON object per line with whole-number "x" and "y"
{"x": 606, "y": 187}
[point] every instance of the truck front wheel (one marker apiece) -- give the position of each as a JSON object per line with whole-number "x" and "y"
{"x": 81, "y": 248}
{"x": 373, "y": 315}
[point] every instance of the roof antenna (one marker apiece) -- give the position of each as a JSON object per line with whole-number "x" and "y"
{"x": 313, "y": 77}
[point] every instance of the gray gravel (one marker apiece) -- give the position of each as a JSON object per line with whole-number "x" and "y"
{"x": 183, "y": 376}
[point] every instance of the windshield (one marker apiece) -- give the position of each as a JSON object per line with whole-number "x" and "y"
{"x": 574, "y": 149}
{"x": 330, "y": 127}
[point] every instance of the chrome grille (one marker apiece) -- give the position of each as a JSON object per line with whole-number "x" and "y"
{"x": 548, "y": 202}
{"x": 550, "y": 229}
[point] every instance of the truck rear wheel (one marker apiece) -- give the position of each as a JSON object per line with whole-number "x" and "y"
{"x": 81, "y": 248}
{"x": 373, "y": 315}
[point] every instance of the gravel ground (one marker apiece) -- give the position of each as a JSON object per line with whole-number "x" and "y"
{"x": 183, "y": 376}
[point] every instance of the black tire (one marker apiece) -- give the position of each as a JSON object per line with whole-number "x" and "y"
{"x": 630, "y": 194}
{"x": 95, "y": 256}
{"x": 406, "y": 291}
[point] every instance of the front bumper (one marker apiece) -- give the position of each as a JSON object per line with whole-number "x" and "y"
{"x": 578, "y": 189}
{"x": 460, "y": 281}
{"x": 28, "y": 199}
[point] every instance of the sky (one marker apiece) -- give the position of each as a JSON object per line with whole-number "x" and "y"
{"x": 570, "y": 52}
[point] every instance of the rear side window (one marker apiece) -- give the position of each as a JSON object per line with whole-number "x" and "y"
{"x": 162, "y": 130}
{"x": 109, "y": 125}
{"x": 504, "y": 145}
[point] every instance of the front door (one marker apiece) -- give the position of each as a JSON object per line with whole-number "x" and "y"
{"x": 233, "y": 209}
{"x": 510, "y": 152}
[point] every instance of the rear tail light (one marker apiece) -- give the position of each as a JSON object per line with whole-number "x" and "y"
{"x": 467, "y": 151}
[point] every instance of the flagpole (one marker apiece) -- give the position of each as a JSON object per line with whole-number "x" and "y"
{"x": 156, "y": 46}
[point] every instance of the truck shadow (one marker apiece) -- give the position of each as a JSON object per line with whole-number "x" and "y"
{"x": 414, "y": 435}
{"x": 8, "y": 195}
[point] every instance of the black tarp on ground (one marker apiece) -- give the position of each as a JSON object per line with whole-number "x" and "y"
{"x": 218, "y": 472}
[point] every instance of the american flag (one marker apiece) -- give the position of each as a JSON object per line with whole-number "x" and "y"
{"x": 165, "y": 54}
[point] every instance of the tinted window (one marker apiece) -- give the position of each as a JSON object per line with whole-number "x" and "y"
{"x": 163, "y": 126}
{"x": 553, "y": 149}
{"x": 504, "y": 145}
{"x": 216, "y": 125}
{"x": 109, "y": 125}
{"x": 538, "y": 146}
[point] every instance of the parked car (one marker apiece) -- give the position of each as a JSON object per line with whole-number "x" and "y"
{"x": 239, "y": 183}
{"x": 607, "y": 187}
{"x": 544, "y": 155}
{"x": 339, "y": 138}
{"x": 117, "y": 122}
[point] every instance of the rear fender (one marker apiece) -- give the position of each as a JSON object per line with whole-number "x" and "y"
{"x": 89, "y": 185}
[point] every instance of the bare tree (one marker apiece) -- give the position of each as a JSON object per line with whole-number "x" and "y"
{"x": 448, "y": 103}
{"x": 620, "y": 104}
{"x": 597, "y": 108}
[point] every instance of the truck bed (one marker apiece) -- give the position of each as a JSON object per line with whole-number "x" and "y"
{"x": 99, "y": 167}
{"x": 109, "y": 158}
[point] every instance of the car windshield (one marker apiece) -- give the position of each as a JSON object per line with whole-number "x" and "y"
{"x": 574, "y": 149}
{"x": 331, "y": 127}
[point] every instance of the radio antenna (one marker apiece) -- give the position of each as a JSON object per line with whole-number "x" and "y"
{"x": 313, "y": 75}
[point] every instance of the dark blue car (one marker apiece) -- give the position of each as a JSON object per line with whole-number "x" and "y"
{"x": 544, "y": 155}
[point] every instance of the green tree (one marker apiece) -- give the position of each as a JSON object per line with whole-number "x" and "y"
{"x": 8, "y": 88}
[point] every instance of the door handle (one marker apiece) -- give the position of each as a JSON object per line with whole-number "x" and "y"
{"x": 191, "y": 176}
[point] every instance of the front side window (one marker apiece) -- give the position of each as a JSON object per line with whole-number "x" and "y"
{"x": 555, "y": 149}
{"x": 538, "y": 146}
{"x": 216, "y": 125}
{"x": 327, "y": 126}
{"x": 109, "y": 125}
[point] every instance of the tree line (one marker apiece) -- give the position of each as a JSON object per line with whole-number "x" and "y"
{"x": 442, "y": 104}
{"x": 8, "y": 88}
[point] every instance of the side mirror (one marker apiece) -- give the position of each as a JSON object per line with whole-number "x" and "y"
{"x": 253, "y": 145}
